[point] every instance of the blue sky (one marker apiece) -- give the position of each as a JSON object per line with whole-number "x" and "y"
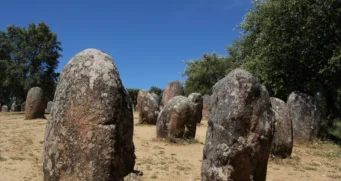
{"x": 148, "y": 39}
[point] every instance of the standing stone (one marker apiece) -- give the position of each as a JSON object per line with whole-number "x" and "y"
{"x": 156, "y": 97}
{"x": 240, "y": 130}
{"x": 23, "y": 107}
{"x": 197, "y": 101}
{"x": 305, "y": 116}
{"x": 48, "y": 107}
{"x": 206, "y": 105}
{"x": 147, "y": 107}
{"x": 174, "y": 117}
{"x": 14, "y": 107}
{"x": 34, "y": 106}
{"x": 4, "y": 108}
{"x": 89, "y": 135}
{"x": 283, "y": 138}
{"x": 173, "y": 89}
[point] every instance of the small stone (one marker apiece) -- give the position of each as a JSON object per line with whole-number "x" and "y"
{"x": 48, "y": 107}
{"x": 305, "y": 116}
{"x": 173, "y": 89}
{"x": 34, "y": 105}
{"x": 14, "y": 107}
{"x": 148, "y": 108}
{"x": 197, "y": 101}
{"x": 4, "y": 108}
{"x": 283, "y": 138}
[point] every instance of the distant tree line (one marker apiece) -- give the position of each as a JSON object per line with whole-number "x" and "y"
{"x": 28, "y": 58}
{"x": 291, "y": 45}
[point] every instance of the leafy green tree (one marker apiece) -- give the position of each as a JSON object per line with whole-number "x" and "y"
{"x": 294, "y": 45}
{"x": 30, "y": 57}
{"x": 4, "y": 90}
{"x": 133, "y": 93}
{"x": 203, "y": 73}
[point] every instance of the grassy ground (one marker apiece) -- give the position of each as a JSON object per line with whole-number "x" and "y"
{"x": 21, "y": 149}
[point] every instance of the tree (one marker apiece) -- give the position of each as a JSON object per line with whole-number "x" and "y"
{"x": 31, "y": 58}
{"x": 133, "y": 93}
{"x": 203, "y": 73}
{"x": 4, "y": 90}
{"x": 294, "y": 45}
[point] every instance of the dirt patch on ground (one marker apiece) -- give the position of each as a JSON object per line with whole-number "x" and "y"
{"x": 21, "y": 151}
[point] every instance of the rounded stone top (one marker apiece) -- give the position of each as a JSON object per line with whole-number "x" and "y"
{"x": 275, "y": 99}
{"x": 195, "y": 98}
{"x": 36, "y": 89}
{"x": 93, "y": 63}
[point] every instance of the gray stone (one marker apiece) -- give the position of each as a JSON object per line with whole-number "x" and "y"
{"x": 14, "y": 107}
{"x": 179, "y": 117}
{"x": 34, "y": 106}
{"x": 197, "y": 101}
{"x": 240, "y": 130}
{"x": 173, "y": 89}
{"x": 173, "y": 118}
{"x": 156, "y": 97}
{"x": 89, "y": 135}
{"x": 207, "y": 99}
{"x": 283, "y": 138}
{"x": 147, "y": 107}
{"x": 305, "y": 116}
{"x": 48, "y": 107}
{"x": 4, "y": 108}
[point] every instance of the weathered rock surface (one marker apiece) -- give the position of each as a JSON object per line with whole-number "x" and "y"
{"x": 206, "y": 105}
{"x": 34, "y": 105}
{"x": 4, "y": 108}
{"x": 305, "y": 116}
{"x": 89, "y": 135}
{"x": 22, "y": 107}
{"x": 283, "y": 138}
{"x": 147, "y": 107}
{"x": 174, "y": 117}
{"x": 156, "y": 97}
{"x": 48, "y": 107}
{"x": 197, "y": 101}
{"x": 173, "y": 89}
{"x": 240, "y": 130}
{"x": 14, "y": 107}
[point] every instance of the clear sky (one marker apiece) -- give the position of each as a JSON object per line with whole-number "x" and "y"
{"x": 148, "y": 39}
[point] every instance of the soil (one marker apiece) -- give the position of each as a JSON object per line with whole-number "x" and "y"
{"x": 22, "y": 141}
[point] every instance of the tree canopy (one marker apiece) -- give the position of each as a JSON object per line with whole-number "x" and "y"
{"x": 289, "y": 45}
{"x": 28, "y": 58}
{"x": 294, "y": 45}
{"x": 203, "y": 73}
{"x": 133, "y": 93}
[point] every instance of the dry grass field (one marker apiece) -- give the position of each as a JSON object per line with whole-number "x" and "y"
{"x": 21, "y": 149}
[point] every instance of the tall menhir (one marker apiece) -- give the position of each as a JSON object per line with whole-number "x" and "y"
{"x": 89, "y": 135}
